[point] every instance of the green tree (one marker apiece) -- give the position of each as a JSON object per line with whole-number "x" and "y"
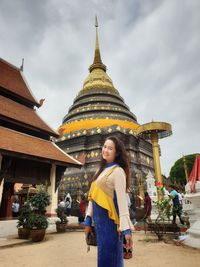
{"x": 177, "y": 172}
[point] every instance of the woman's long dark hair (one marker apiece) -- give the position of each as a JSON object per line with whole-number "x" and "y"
{"x": 121, "y": 159}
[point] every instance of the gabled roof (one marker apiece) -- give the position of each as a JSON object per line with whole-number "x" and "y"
{"x": 23, "y": 115}
{"x": 26, "y": 145}
{"x": 13, "y": 82}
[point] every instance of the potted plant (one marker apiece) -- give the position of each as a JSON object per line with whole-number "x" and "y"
{"x": 37, "y": 220}
{"x": 62, "y": 222}
{"x": 38, "y": 223}
{"x": 23, "y": 224}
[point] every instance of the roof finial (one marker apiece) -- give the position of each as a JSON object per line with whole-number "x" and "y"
{"x": 22, "y": 65}
{"x": 97, "y": 63}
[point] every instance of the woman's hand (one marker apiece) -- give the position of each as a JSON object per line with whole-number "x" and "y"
{"x": 129, "y": 242}
{"x": 88, "y": 229}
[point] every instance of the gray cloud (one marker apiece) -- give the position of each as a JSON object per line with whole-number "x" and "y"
{"x": 151, "y": 49}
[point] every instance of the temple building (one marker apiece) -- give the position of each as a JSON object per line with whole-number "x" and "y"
{"x": 27, "y": 153}
{"x": 99, "y": 111}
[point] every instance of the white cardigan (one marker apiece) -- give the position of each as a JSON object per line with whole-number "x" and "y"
{"x": 116, "y": 181}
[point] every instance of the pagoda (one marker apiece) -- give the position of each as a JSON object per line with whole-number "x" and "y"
{"x": 99, "y": 111}
{"x": 27, "y": 153}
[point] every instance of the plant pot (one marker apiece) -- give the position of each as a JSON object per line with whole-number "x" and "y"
{"x": 24, "y": 233}
{"x": 61, "y": 227}
{"x": 37, "y": 235}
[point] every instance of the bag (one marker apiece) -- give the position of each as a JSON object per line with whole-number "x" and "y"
{"x": 128, "y": 254}
{"x": 91, "y": 238}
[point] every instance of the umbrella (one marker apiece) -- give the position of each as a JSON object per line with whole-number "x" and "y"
{"x": 195, "y": 174}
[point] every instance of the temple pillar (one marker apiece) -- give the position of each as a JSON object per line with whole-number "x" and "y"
{"x": 1, "y": 181}
{"x": 53, "y": 194}
{"x": 156, "y": 156}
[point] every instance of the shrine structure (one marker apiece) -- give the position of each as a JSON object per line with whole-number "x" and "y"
{"x": 27, "y": 153}
{"x": 99, "y": 111}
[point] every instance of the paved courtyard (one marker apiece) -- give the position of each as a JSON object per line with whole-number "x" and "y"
{"x": 69, "y": 249}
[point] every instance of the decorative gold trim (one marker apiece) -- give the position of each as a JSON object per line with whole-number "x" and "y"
{"x": 163, "y": 129}
{"x": 90, "y": 123}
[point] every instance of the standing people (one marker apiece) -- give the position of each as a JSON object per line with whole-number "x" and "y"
{"x": 68, "y": 206}
{"x": 108, "y": 205}
{"x": 15, "y": 208}
{"x": 61, "y": 203}
{"x": 147, "y": 207}
{"x": 177, "y": 210}
{"x": 82, "y": 209}
{"x": 180, "y": 197}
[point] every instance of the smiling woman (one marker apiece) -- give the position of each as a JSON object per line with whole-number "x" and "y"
{"x": 109, "y": 151}
{"x": 108, "y": 205}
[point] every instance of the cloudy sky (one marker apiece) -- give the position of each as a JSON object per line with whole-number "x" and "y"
{"x": 151, "y": 49}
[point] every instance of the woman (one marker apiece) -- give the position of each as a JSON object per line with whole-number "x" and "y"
{"x": 82, "y": 209}
{"x": 108, "y": 204}
{"x": 147, "y": 207}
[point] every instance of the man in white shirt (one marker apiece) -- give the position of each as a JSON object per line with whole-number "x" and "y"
{"x": 62, "y": 203}
{"x": 15, "y": 208}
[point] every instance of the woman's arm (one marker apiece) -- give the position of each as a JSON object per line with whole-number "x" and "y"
{"x": 124, "y": 218}
{"x": 89, "y": 211}
{"x": 120, "y": 189}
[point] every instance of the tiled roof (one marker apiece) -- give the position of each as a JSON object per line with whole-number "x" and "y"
{"x": 12, "y": 80}
{"x": 23, "y": 114}
{"x": 13, "y": 141}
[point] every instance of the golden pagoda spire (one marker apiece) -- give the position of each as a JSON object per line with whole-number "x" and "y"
{"x": 97, "y": 63}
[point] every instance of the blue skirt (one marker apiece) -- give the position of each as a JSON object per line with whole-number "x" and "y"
{"x": 110, "y": 244}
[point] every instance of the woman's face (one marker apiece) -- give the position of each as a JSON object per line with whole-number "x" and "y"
{"x": 109, "y": 151}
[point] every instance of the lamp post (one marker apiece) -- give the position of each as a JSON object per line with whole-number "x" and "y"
{"x": 154, "y": 131}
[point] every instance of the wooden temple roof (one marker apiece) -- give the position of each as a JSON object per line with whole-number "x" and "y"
{"x": 22, "y": 114}
{"x": 27, "y": 145}
{"x": 13, "y": 82}
{"x": 18, "y": 115}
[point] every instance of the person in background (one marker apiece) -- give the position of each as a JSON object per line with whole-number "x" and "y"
{"x": 82, "y": 208}
{"x": 177, "y": 210}
{"x": 180, "y": 197}
{"x": 68, "y": 206}
{"x": 61, "y": 203}
{"x": 15, "y": 208}
{"x": 147, "y": 207}
{"x": 108, "y": 204}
